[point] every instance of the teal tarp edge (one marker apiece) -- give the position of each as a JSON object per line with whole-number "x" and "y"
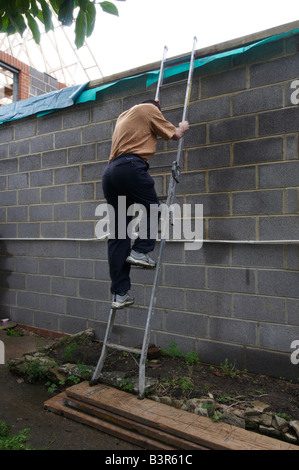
{"x": 69, "y": 96}
{"x": 205, "y": 60}
{"x": 153, "y": 76}
{"x": 42, "y": 104}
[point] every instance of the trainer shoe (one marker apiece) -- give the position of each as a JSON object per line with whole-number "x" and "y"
{"x": 140, "y": 259}
{"x": 122, "y": 300}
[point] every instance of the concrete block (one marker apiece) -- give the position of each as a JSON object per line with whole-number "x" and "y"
{"x": 9, "y": 198}
{"x": 187, "y": 324}
{"x": 222, "y": 83}
{"x": 261, "y": 99}
{"x": 53, "y": 194}
{"x": 70, "y": 211}
{"x": 29, "y": 196}
{"x": 23, "y": 316}
{"x": 278, "y": 283}
{"x": 46, "y": 321}
{"x": 92, "y": 171}
{"x": 237, "y": 128}
{"x": 42, "y": 212}
{"x": 82, "y": 153}
{"x": 9, "y": 166}
{"x": 232, "y": 179}
{"x": 78, "y": 230}
{"x": 231, "y": 279}
{"x": 233, "y": 228}
{"x": 18, "y": 181}
{"x": 281, "y": 175}
{"x": 107, "y": 110}
{"x": 30, "y": 162}
{"x": 41, "y": 178}
{"x": 191, "y": 183}
{"x": 278, "y": 337}
{"x": 65, "y": 286}
{"x": 38, "y": 283}
{"x": 96, "y": 132}
{"x": 279, "y": 121}
{"x": 279, "y": 228}
{"x": 257, "y": 202}
{"x": 267, "y": 256}
{"x": 6, "y": 133}
{"x": 195, "y": 136}
{"x": 76, "y": 118}
{"x": 233, "y": 331}
{"x": 53, "y": 230}
{"x": 28, "y": 230}
{"x": 42, "y": 143}
{"x": 259, "y": 308}
{"x": 17, "y": 214}
{"x": 208, "y": 302}
{"x": 19, "y": 148}
{"x": 293, "y": 311}
{"x": 80, "y": 192}
{"x": 72, "y": 325}
{"x": 4, "y": 150}
{"x": 79, "y": 268}
{"x": 65, "y": 249}
{"x": 274, "y": 71}
{"x": 54, "y": 158}
{"x": 184, "y": 276}
{"x": 209, "y": 110}
{"x": 208, "y": 157}
{"x": 70, "y": 174}
{"x": 213, "y": 204}
{"x": 24, "y": 264}
{"x": 167, "y": 297}
{"x": 25, "y": 129}
{"x": 52, "y": 303}
{"x": 80, "y": 307}
{"x": 103, "y": 150}
{"x": 209, "y": 253}
{"x": 28, "y": 300}
{"x": 51, "y": 266}
{"x": 258, "y": 150}
{"x": 94, "y": 290}
{"x": 49, "y": 124}
{"x": 67, "y": 138}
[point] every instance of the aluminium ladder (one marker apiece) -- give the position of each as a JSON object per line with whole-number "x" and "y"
{"x": 174, "y": 179}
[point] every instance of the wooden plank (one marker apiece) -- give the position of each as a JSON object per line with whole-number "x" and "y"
{"x": 188, "y": 426}
{"x": 5, "y": 325}
{"x": 55, "y": 404}
{"x": 133, "y": 425}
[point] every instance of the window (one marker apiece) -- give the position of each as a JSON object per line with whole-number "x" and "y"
{"x": 8, "y": 84}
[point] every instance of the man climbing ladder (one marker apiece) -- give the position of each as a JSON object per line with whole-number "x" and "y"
{"x": 133, "y": 144}
{"x": 126, "y": 175}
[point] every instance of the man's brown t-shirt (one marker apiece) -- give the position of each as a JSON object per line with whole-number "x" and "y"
{"x": 137, "y": 129}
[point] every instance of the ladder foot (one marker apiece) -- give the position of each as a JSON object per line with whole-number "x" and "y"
{"x": 93, "y": 382}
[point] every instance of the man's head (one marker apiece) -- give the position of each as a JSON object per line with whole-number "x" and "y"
{"x": 154, "y": 102}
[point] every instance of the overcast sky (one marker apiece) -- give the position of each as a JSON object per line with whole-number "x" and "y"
{"x": 137, "y": 37}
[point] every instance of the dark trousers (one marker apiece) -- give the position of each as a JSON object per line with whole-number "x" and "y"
{"x": 127, "y": 175}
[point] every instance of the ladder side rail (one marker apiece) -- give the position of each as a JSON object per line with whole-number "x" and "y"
{"x": 161, "y": 74}
{"x": 103, "y": 355}
{"x": 170, "y": 198}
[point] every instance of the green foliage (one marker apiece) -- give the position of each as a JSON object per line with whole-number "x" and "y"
{"x": 12, "y": 442}
{"x": 18, "y": 15}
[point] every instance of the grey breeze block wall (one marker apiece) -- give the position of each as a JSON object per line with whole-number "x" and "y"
{"x": 240, "y": 160}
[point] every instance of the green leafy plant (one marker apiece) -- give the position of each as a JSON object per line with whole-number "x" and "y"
{"x": 36, "y": 370}
{"x": 191, "y": 358}
{"x": 229, "y": 369}
{"x": 18, "y": 15}
{"x": 12, "y": 442}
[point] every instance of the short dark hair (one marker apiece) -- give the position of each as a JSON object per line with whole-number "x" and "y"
{"x": 154, "y": 102}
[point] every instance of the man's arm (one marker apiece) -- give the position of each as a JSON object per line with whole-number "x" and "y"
{"x": 180, "y": 130}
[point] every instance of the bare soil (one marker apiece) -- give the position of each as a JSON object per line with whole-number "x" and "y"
{"x": 181, "y": 377}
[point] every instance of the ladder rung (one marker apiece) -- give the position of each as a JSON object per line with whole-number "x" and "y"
{"x": 124, "y": 348}
{"x": 165, "y": 85}
{"x": 172, "y": 108}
